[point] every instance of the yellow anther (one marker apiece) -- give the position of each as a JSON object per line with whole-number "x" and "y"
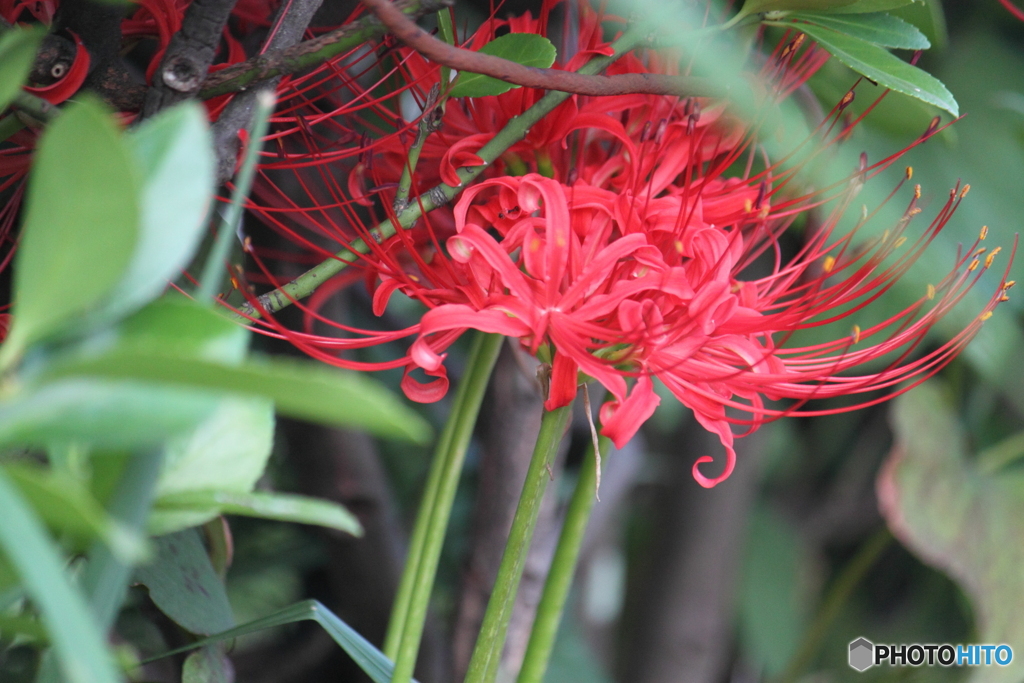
{"x": 991, "y": 257}
{"x": 981, "y": 250}
{"x": 1004, "y": 297}
{"x": 931, "y": 292}
{"x": 984, "y": 232}
{"x": 973, "y": 266}
{"x": 986, "y": 315}
{"x": 748, "y": 205}
{"x": 917, "y": 191}
{"x": 900, "y": 242}
{"x": 885, "y": 236}
{"x": 830, "y": 262}
{"x": 914, "y": 211}
{"x": 1009, "y": 284}
{"x": 679, "y": 246}
{"x": 856, "y": 334}
{"x": 910, "y": 172}
{"x": 765, "y": 210}
{"x": 963, "y": 192}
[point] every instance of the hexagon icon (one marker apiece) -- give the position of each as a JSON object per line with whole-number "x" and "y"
{"x": 862, "y": 654}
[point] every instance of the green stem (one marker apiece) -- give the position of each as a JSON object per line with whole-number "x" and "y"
{"x": 483, "y": 666}
{"x": 105, "y": 578}
{"x": 213, "y": 269}
{"x": 563, "y": 567}
{"x": 425, "y": 128}
{"x": 514, "y": 131}
{"x": 835, "y": 599}
{"x": 405, "y": 630}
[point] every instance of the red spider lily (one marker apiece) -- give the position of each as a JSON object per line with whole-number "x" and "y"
{"x": 631, "y": 265}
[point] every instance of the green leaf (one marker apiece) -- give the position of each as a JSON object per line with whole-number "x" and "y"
{"x": 880, "y": 28}
{"x": 174, "y": 153}
{"x": 105, "y": 414}
{"x": 298, "y": 389}
{"x": 882, "y": 67}
{"x": 185, "y": 586}
{"x": 867, "y": 6}
{"x": 759, "y": 6}
{"x": 279, "y": 506}
{"x": 929, "y": 17}
{"x": 209, "y": 665}
{"x": 228, "y": 452}
{"x": 957, "y": 518}
{"x": 175, "y": 324}
{"x": 18, "y": 47}
{"x": 80, "y": 224}
{"x": 77, "y": 641}
{"x": 371, "y": 660}
{"x": 528, "y": 49}
{"x": 66, "y": 506}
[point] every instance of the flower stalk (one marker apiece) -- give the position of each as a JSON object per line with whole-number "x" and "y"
{"x": 563, "y": 567}
{"x": 483, "y": 666}
{"x": 405, "y": 629}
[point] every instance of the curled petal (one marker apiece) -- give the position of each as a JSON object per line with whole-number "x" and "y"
{"x": 425, "y": 392}
{"x": 720, "y": 427}
{"x": 67, "y": 86}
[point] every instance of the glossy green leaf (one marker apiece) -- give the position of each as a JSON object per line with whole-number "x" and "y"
{"x": 528, "y": 49}
{"x": 66, "y": 506}
{"x": 761, "y": 6}
{"x": 80, "y": 225}
{"x": 878, "y": 28}
{"x": 103, "y": 413}
{"x": 80, "y": 646}
{"x": 929, "y": 17}
{"x": 866, "y": 6}
{"x": 298, "y": 389}
{"x": 882, "y": 67}
{"x": 280, "y": 506}
{"x": 174, "y": 154}
{"x": 371, "y": 660}
{"x": 18, "y": 48}
{"x": 955, "y": 517}
{"x": 184, "y": 585}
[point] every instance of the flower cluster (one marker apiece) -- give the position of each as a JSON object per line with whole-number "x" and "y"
{"x": 617, "y": 242}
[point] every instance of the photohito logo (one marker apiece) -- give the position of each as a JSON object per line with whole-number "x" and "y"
{"x": 864, "y": 654}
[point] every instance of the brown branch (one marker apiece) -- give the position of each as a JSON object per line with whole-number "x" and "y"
{"x": 306, "y": 54}
{"x": 549, "y": 79}
{"x": 188, "y": 56}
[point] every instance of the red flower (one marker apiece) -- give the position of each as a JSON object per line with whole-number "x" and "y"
{"x": 630, "y": 260}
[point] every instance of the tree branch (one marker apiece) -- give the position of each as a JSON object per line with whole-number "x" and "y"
{"x": 189, "y": 55}
{"x": 304, "y": 55}
{"x": 549, "y": 79}
{"x": 288, "y": 27}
